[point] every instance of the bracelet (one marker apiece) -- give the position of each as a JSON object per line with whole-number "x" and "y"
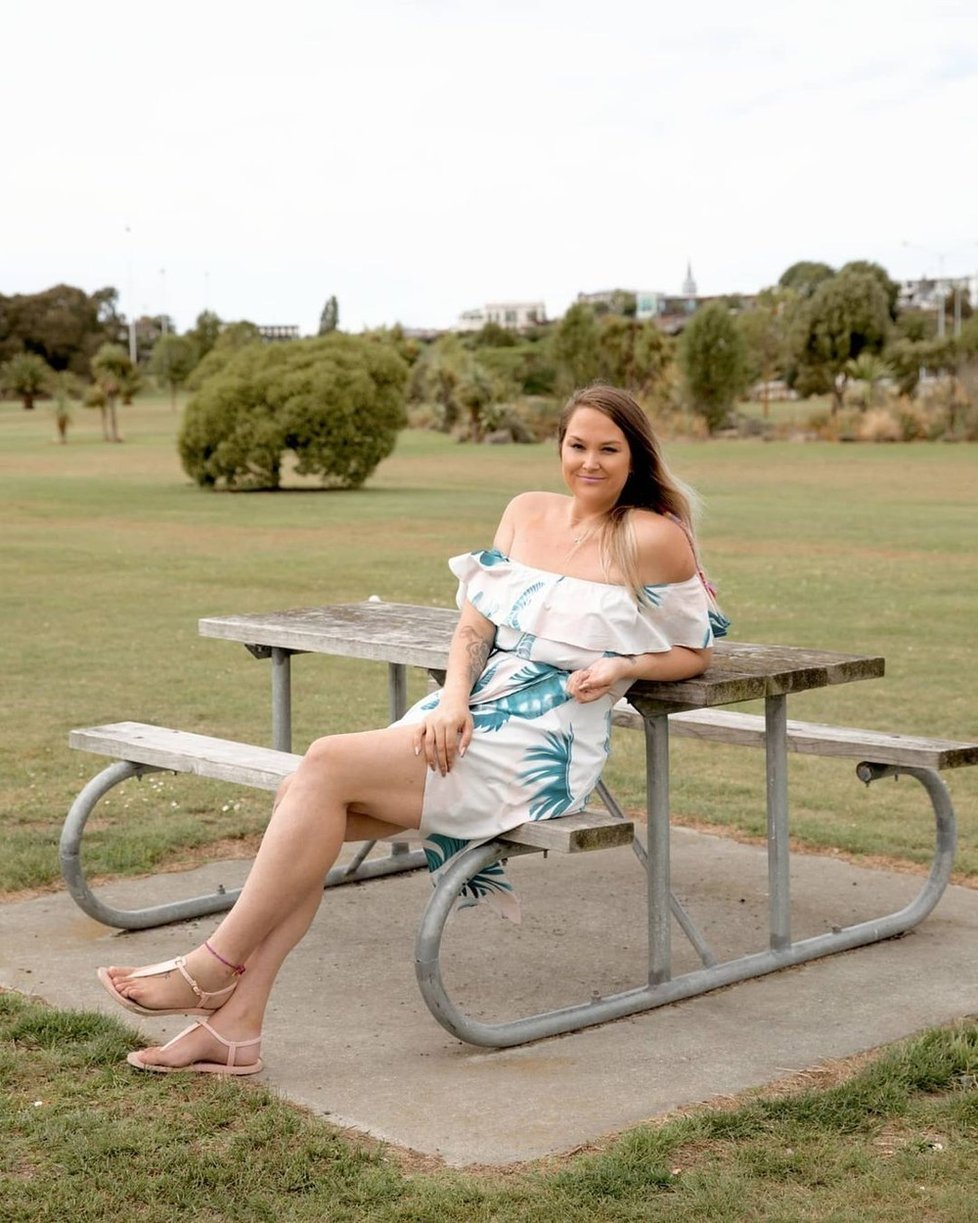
{"x": 237, "y": 969}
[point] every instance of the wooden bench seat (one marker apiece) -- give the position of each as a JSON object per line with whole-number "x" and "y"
{"x": 263, "y": 768}
{"x": 811, "y": 738}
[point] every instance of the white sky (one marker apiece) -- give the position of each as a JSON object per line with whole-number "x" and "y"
{"x": 424, "y": 157}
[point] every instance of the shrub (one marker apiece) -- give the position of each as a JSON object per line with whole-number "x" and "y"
{"x": 914, "y": 423}
{"x": 878, "y": 425}
{"x": 336, "y": 402}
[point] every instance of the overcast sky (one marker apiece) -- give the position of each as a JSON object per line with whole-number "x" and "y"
{"x": 424, "y": 157}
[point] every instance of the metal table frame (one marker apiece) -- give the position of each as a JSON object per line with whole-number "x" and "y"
{"x": 403, "y": 635}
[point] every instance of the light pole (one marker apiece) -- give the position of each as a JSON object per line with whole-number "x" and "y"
{"x": 163, "y": 318}
{"x": 132, "y": 299}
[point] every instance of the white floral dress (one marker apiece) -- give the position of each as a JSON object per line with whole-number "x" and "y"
{"x": 536, "y": 752}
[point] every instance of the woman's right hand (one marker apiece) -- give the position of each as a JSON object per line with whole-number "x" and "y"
{"x": 444, "y": 735}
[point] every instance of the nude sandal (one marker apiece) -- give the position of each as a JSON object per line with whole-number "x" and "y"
{"x": 159, "y": 970}
{"x": 230, "y": 1066}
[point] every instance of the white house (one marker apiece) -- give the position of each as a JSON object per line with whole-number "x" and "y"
{"x": 516, "y": 316}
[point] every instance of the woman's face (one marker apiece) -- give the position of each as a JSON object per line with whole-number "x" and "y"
{"x": 594, "y": 459}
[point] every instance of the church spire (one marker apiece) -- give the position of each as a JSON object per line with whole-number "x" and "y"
{"x": 689, "y": 284}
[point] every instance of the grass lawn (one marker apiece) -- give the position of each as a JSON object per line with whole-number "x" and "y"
{"x": 110, "y": 556}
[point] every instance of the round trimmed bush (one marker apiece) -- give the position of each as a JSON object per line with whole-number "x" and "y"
{"x": 336, "y": 402}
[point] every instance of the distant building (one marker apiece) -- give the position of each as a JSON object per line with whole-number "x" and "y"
{"x": 689, "y": 284}
{"x": 515, "y": 316}
{"x": 272, "y": 335}
{"x": 649, "y": 305}
{"x": 611, "y": 301}
{"x": 926, "y": 293}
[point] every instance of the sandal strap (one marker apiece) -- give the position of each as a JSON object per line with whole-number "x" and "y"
{"x": 232, "y": 1046}
{"x": 179, "y": 964}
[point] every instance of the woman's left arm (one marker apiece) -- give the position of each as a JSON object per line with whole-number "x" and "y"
{"x": 681, "y": 662}
{"x": 664, "y": 555}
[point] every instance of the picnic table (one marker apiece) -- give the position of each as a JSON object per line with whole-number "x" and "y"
{"x": 402, "y": 635}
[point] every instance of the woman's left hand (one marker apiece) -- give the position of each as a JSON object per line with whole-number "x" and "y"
{"x": 593, "y": 682}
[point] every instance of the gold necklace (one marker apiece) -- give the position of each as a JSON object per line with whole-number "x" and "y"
{"x": 584, "y": 536}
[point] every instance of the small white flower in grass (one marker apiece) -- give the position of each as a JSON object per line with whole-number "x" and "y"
{"x": 38, "y": 1103}
{"x": 226, "y": 807}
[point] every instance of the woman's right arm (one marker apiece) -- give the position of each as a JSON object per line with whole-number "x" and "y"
{"x": 446, "y": 732}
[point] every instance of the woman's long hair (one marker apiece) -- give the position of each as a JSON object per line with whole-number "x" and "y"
{"x": 650, "y": 484}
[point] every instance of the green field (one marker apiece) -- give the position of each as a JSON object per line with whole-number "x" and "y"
{"x": 110, "y": 556}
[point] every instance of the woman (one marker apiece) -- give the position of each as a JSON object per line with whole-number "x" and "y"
{"x": 579, "y": 597}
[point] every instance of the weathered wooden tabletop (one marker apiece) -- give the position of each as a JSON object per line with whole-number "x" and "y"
{"x": 420, "y": 636}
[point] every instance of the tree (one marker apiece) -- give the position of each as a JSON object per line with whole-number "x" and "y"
{"x": 173, "y": 360}
{"x": 26, "y": 376}
{"x": 763, "y": 329}
{"x": 494, "y": 335}
{"x": 114, "y": 377}
{"x": 805, "y": 276}
{"x": 713, "y": 357}
{"x": 149, "y": 329}
{"x": 329, "y": 320}
{"x": 459, "y": 384}
{"x": 870, "y": 369}
{"x": 335, "y": 402}
{"x": 64, "y": 388}
{"x": 846, "y": 316}
{"x": 203, "y": 335}
{"x": 889, "y": 287}
{"x": 64, "y": 326}
{"x": 632, "y": 355}
{"x": 232, "y": 339}
{"x": 576, "y": 349}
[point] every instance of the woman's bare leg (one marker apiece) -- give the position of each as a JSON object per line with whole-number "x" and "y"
{"x": 347, "y": 785}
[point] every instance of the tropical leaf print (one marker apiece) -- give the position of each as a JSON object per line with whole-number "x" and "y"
{"x": 489, "y": 557}
{"x": 485, "y": 678}
{"x": 655, "y": 594}
{"x": 438, "y": 852}
{"x": 524, "y": 647}
{"x": 513, "y": 619}
{"x": 551, "y": 765}
{"x": 541, "y": 688}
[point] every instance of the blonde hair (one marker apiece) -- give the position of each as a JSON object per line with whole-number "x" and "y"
{"x": 650, "y": 484}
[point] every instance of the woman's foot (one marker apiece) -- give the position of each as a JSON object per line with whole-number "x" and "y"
{"x": 196, "y": 984}
{"x": 202, "y": 1050}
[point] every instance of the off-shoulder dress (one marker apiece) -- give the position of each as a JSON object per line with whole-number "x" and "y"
{"x": 536, "y": 752}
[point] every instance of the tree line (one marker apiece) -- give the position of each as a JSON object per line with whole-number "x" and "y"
{"x": 818, "y": 331}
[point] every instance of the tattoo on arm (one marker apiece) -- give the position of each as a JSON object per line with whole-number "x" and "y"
{"x": 476, "y": 651}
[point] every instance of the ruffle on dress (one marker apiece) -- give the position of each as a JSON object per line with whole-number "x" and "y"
{"x": 588, "y": 615}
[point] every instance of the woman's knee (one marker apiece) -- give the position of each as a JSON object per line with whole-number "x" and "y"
{"x": 322, "y": 754}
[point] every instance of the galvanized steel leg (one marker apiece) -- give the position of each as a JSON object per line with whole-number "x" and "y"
{"x": 683, "y": 919}
{"x": 700, "y": 981}
{"x": 397, "y": 689}
{"x": 657, "y": 866}
{"x": 281, "y": 699}
{"x": 778, "y": 845}
{"x": 74, "y": 876}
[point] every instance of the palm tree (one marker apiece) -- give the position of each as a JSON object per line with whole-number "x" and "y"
{"x": 871, "y": 370}
{"x": 26, "y": 375}
{"x": 114, "y": 376}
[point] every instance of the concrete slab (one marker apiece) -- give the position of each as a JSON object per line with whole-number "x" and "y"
{"x": 349, "y": 1036}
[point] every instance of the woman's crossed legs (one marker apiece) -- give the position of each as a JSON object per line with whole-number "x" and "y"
{"x": 352, "y": 787}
